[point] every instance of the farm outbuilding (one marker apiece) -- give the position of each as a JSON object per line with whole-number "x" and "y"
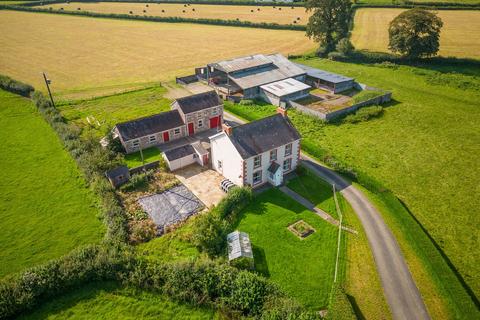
{"x": 284, "y": 90}
{"x": 118, "y": 176}
{"x": 239, "y": 247}
{"x": 327, "y": 80}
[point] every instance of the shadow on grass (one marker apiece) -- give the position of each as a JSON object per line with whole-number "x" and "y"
{"x": 69, "y": 299}
{"x": 261, "y": 265}
{"x": 355, "y": 307}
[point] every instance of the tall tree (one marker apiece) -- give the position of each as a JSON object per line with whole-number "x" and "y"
{"x": 415, "y": 33}
{"x": 328, "y": 22}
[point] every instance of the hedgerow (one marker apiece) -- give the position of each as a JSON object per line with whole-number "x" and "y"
{"x": 8, "y": 84}
{"x": 212, "y": 227}
{"x": 219, "y": 22}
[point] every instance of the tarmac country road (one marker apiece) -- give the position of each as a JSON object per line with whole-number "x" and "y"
{"x": 402, "y": 294}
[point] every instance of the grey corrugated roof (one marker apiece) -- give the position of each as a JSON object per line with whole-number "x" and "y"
{"x": 285, "y": 87}
{"x": 257, "y": 70}
{"x": 273, "y": 167}
{"x": 199, "y": 102}
{"x": 324, "y": 75}
{"x": 258, "y": 136}
{"x": 241, "y": 63}
{"x": 118, "y": 171}
{"x": 149, "y": 125}
{"x": 180, "y": 152}
{"x": 239, "y": 245}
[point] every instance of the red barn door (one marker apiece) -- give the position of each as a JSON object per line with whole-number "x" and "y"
{"x": 214, "y": 122}
{"x": 191, "y": 129}
{"x": 166, "y": 137}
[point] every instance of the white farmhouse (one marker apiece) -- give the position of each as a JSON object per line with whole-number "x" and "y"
{"x": 258, "y": 152}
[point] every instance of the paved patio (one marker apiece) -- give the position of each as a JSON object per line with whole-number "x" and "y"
{"x": 170, "y": 207}
{"x": 203, "y": 182}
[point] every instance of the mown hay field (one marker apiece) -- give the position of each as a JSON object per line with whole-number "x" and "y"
{"x": 46, "y": 209}
{"x": 459, "y": 35}
{"x": 90, "y": 56}
{"x": 280, "y": 15}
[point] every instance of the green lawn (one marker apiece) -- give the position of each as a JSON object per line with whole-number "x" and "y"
{"x": 46, "y": 209}
{"x": 149, "y": 155}
{"x": 424, "y": 148}
{"x": 109, "y": 301}
{"x": 303, "y": 268}
{"x": 315, "y": 190}
{"x": 105, "y": 112}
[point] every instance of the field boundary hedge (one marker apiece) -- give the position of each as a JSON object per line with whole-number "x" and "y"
{"x": 217, "y": 22}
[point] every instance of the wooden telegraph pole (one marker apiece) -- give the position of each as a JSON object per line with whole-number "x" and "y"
{"x": 47, "y": 82}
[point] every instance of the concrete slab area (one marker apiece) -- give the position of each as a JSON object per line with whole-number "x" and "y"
{"x": 203, "y": 182}
{"x": 170, "y": 207}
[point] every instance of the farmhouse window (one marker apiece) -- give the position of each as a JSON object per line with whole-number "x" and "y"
{"x": 219, "y": 164}
{"x": 214, "y": 111}
{"x": 273, "y": 155}
{"x": 176, "y": 131}
{"x": 152, "y": 139}
{"x": 199, "y": 115}
{"x": 288, "y": 150}
{"x": 257, "y": 161}
{"x": 200, "y": 123}
{"x": 202, "y": 71}
{"x": 257, "y": 177}
{"x": 287, "y": 164}
{"x": 135, "y": 143}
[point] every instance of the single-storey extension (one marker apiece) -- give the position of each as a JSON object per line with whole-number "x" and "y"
{"x": 330, "y": 81}
{"x": 259, "y": 152}
{"x": 284, "y": 91}
{"x": 186, "y": 155}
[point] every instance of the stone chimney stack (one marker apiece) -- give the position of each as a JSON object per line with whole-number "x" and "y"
{"x": 282, "y": 111}
{"x": 227, "y": 129}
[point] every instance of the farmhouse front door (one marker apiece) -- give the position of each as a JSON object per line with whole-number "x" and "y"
{"x": 191, "y": 129}
{"x": 205, "y": 159}
{"x": 214, "y": 122}
{"x": 166, "y": 137}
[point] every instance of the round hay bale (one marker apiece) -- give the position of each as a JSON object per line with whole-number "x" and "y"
{"x": 50, "y": 8}
{"x": 251, "y": 10}
{"x": 79, "y": 8}
{"x": 183, "y": 11}
{"x": 61, "y": 8}
{"x": 163, "y": 11}
{"x": 298, "y": 18}
{"x": 238, "y": 19}
{"x": 146, "y": 5}
{"x": 258, "y": 9}
{"x": 144, "y": 11}
{"x": 279, "y": 8}
{"x": 131, "y": 12}
{"x": 293, "y": 7}
{"x": 185, "y": 5}
{"x": 193, "y": 9}
{"x": 294, "y": 21}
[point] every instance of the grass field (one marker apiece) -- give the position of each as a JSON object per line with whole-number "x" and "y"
{"x": 109, "y": 301}
{"x": 110, "y": 55}
{"x": 280, "y": 15}
{"x": 457, "y": 38}
{"x": 424, "y": 149}
{"x": 46, "y": 209}
{"x": 303, "y": 268}
{"x": 104, "y": 112}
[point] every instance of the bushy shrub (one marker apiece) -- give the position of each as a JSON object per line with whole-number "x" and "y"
{"x": 340, "y": 307}
{"x": 137, "y": 181}
{"x": 211, "y": 228}
{"x": 14, "y": 86}
{"x": 363, "y": 114}
{"x": 344, "y": 46}
{"x": 336, "y": 56}
{"x": 246, "y": 102}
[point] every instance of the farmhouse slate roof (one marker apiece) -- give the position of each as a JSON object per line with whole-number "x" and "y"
{"x": 273, "y": 168}
{"x": 180, "y": 152}
{"x": 259, "y": 136}
{"x": 149, "y": 125}
{"x": 199, "y": 102}
{"x": 324, "y": 75}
